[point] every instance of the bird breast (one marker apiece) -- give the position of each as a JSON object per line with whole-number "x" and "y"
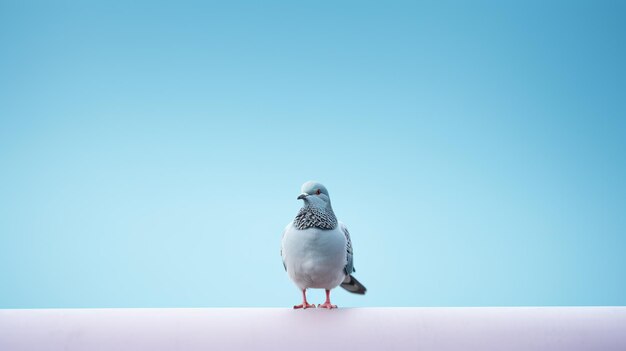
{"x": 315, "y": 258}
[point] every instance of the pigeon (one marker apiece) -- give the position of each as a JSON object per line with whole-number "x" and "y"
{"x": 316, "y": 248}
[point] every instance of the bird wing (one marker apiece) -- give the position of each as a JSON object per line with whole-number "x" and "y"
{"x": 349, "y": 268}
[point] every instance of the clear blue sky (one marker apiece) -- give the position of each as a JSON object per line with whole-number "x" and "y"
{"x": 151, "y": 152}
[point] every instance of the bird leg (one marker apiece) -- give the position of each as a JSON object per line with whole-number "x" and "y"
{"x": 327, "y": 304}
{"x": 304, "y": 305}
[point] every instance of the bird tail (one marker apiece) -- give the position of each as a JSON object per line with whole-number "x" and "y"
{"x": 353, "y": 285}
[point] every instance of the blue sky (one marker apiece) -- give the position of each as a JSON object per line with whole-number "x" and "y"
{"x": 151, "y": 152}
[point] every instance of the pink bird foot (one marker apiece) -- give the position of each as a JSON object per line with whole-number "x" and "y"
{"x": 327, "y": 304}
{"x": 304, "y": 306}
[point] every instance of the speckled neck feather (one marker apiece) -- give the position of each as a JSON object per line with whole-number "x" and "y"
{"x": 315, "y": 217}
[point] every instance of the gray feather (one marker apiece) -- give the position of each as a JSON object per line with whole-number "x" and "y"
{"x": 349, "y": 268}
{"x": 314, "y": 217}
{"x": 353, "y": 285}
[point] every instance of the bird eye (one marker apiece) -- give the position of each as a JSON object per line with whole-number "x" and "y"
{"x": 318, "y": 191}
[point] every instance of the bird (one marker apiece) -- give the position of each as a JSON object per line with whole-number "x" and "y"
{"x": 316, "y": 248}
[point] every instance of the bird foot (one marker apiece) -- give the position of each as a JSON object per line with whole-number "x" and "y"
{"x": 327, "y": 305}
{"x": 304, "y": 306}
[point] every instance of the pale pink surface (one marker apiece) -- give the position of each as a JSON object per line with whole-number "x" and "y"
{"x": 506, "y": 328}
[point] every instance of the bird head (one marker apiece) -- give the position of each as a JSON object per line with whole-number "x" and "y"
{"x": 314, "y": 194}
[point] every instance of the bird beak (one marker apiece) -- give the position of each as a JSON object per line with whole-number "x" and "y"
{"x": 302, "y": 196}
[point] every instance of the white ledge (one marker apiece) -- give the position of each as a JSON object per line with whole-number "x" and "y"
{"x": 490, "y": 328}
